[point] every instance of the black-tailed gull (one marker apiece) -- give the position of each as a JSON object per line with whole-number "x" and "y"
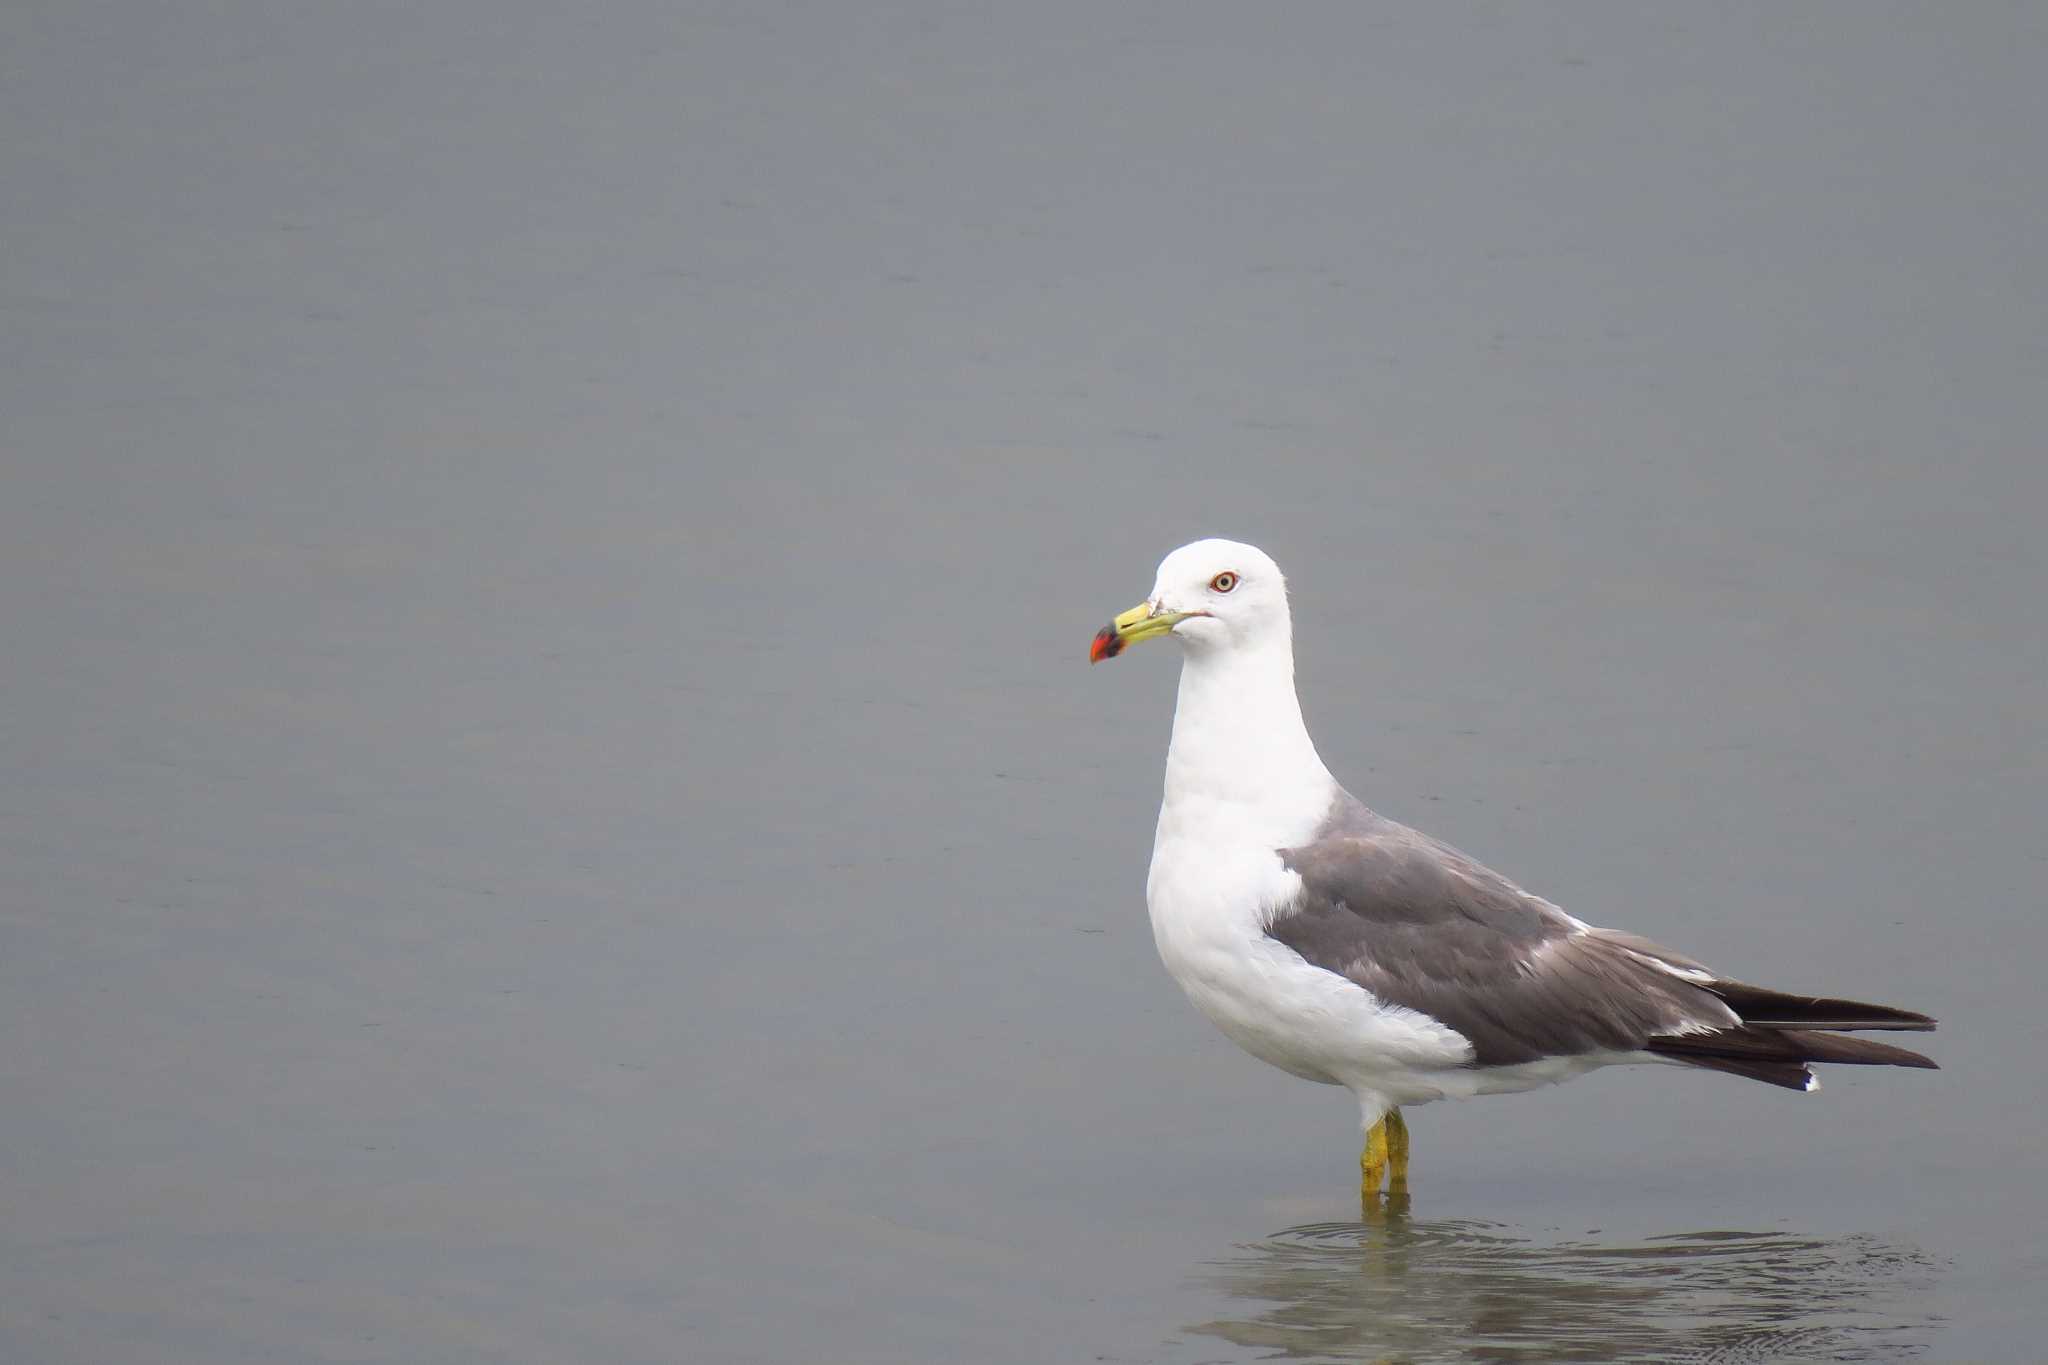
{"x": 1351, "y": 950}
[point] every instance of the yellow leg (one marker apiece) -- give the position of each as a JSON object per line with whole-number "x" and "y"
{"x": 1372, "y": 1162}
{"x": 1397, "y": 1151}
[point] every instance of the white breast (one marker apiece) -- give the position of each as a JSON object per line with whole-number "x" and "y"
{"x": 1209, "y": 906}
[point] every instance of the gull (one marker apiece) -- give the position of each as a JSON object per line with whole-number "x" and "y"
{"x": 1348, "y": 949}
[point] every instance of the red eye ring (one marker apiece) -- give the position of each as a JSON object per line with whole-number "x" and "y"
{"x": 1223, "y": 582}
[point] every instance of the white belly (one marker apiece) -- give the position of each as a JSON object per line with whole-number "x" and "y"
{"x": 1208, "y": 918}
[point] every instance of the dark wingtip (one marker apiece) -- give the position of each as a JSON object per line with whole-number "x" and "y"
{"x": 1106, "y": 645}
{"x": 1780, "y": 1009}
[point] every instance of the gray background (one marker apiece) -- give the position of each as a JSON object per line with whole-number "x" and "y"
{"x": 550, "y": 801}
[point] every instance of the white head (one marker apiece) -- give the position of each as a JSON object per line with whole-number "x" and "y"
{"x": 1211, "y": 595}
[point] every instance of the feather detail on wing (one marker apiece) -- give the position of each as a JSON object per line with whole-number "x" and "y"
{"x": 1420, "y": 925}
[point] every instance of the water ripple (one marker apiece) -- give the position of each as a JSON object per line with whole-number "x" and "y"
{"x": 1397, "y": 1289}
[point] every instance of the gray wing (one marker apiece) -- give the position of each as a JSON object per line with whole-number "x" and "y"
{"x": 1421, "y": 925}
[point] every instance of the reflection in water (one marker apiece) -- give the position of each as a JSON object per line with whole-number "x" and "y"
{"x": 1395, "y": 1289}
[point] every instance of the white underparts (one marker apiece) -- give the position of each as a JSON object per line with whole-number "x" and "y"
{"x": 1243, "y": 780}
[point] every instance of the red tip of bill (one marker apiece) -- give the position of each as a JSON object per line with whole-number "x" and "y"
{"x": 1106, "y": 645}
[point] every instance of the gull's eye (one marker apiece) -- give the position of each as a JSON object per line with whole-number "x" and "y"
{"x": 1223, "y": 582}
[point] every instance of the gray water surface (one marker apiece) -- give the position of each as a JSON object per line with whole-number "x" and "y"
{"x": 551, "y": 803}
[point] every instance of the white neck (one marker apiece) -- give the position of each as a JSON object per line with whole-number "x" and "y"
{"x": 1241, "y": 769}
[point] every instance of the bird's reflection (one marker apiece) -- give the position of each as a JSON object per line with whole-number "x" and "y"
{"x": 1395, "y": 1288}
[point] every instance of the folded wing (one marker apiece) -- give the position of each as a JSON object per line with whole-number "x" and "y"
{"x": 1421, "y": 925}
